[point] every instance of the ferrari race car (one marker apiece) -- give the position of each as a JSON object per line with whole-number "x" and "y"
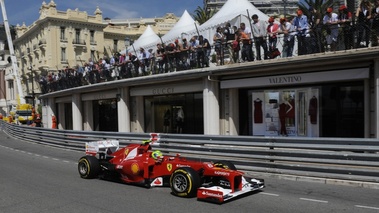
{"x": 139, "y": 164}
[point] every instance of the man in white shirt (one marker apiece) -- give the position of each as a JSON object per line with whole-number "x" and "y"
{"x": 260, "y": 36}
{"x": 331, "y": 21}
{"x": 143, "y": 57}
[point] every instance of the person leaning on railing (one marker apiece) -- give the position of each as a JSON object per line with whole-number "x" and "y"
{"x": 288, "y": 31}
{"x": 300, "y": 22}
{"x": 315, "y": 28}
{"x": 363, "y": 15}
{"x": 184, "y": 48}
{"x": 345, "y": 19}
{"x": 218, "y": 40}
{"x": 331, "y": 21}
{"x": 230, "y": 35}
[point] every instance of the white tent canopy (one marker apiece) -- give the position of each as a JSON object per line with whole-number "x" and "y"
{"x": 231, "y": 11}
{"x": 146, "y": 40}
{"x": 181, "y": 28}
{"x": 234, "y": 12}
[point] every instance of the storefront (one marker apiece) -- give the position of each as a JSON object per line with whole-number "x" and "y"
{"x": 318, "y": 104}
{"x": 175, "y": 113}
{"x": 105, "y": 115}
{"x": 99, "y": 110}
{"x": 170, "y": 108}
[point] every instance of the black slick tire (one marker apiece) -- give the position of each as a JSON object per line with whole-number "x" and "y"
{"x": 184, "y": 182}
{"x": 88, "y": 167}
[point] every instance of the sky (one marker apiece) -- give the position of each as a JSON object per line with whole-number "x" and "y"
{"x": 20, "y": 11}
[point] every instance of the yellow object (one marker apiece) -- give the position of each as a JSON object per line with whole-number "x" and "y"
{"x": 24, "y": 113}
{"x": 156, "y": 154}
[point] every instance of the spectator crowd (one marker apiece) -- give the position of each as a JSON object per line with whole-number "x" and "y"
{"x": 318, "y": 32}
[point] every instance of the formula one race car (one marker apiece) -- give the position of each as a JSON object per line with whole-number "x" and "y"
{"x": 139, "y": 164}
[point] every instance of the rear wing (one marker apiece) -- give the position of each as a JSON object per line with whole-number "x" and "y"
{"x": 107, "y": 147}
{"x": 104, "y": 147}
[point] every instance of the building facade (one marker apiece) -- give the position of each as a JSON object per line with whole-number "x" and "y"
{"x": 61, "y": 39}
{"x": 318, "y": 95}
{"x": 8, "y": 93}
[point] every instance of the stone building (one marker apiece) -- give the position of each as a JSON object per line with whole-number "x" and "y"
{"x": 60, "y": 39}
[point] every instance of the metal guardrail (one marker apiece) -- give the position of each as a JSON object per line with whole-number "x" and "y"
{"x": 335, "y": 158}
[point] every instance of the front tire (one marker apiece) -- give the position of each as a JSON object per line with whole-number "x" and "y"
{"x": 88, "y": 167}
{"x": 184, "y": 182}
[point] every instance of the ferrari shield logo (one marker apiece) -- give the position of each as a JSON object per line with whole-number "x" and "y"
{"x": 126, "y": 152}
{"x": 169, "y": 167}
{"x": 135, "y": 168}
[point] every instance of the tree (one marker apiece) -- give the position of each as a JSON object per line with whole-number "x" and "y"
{"x": 202, "y": 15}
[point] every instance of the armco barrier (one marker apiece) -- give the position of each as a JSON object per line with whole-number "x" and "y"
{"x": 335, "y": 158}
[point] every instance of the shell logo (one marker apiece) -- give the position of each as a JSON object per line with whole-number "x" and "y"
{"x": 135, "y": 168}
{"x": 169, "y": 167}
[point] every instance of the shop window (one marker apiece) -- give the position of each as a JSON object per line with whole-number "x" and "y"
{"x": 343, "y": 110}
{"x": 174, "y": 114}
{"x": 284, "y": 113}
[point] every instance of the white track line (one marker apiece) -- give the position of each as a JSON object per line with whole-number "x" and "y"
{"x": 367, "y": 207}
{"x": 264, "y": 193}
{"x": 313, "y": 200}
{"x": 37, "y": 155}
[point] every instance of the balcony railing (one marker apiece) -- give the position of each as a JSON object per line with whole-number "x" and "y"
{"x": 79, "y": 42}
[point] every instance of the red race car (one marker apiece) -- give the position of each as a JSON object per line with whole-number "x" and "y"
{"x": 139, "y": 164}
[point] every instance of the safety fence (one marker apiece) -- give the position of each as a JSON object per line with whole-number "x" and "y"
{"x": 334, "y": 158}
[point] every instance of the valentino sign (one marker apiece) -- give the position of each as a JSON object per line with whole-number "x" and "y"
{"x": 301, "y": 78}
{"x": 285, "y": 79}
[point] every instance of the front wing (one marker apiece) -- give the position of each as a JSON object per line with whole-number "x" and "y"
{"x": 218, "y": 194}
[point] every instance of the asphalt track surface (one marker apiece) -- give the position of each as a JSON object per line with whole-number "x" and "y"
{"x": 38, "y": 178}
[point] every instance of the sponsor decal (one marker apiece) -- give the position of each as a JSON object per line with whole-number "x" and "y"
{"x": 181, "y": 165}
{"x": 135, "y": 168}
{"x": 221, "y": 173}
{"x": 212, "y": 194}
{"x": 169, "y": 167}
{"x": 119, "y": 167}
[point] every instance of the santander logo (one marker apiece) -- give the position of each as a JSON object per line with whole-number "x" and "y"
{"x": 222, "y": 173}
{"x": 212, "y": 194}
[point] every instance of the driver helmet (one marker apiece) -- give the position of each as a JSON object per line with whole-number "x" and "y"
{"x": 156, "y": 154}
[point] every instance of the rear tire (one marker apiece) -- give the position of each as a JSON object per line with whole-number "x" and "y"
{"x": 184, "y": 182}
{"x": 88, "y": 167}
